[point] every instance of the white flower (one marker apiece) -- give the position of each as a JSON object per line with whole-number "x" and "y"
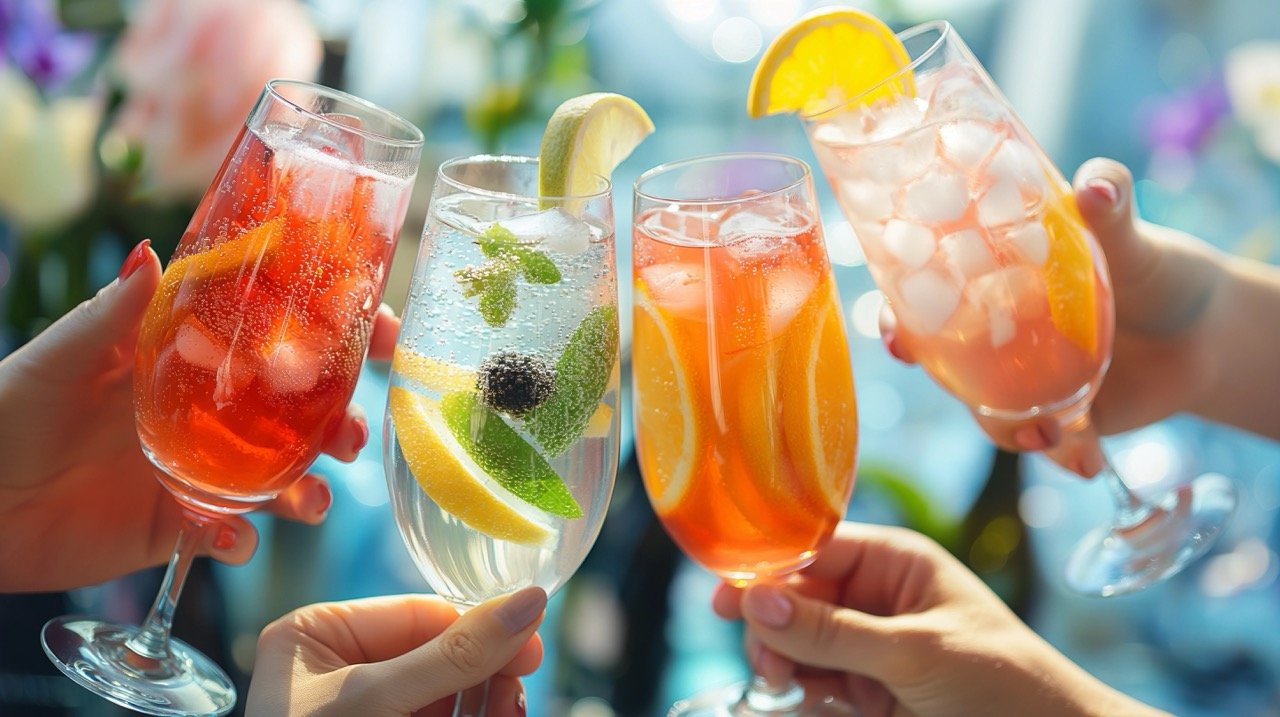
{"x": 47, "y": 170}
{"x": 1253, "y": 84}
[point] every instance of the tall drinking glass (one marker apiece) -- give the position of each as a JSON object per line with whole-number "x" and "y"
{"x": 502, "y": 428}
{"x": 746, "y": 427}
{"x": 249, "y": 353}
{"x": 999, "y": 288}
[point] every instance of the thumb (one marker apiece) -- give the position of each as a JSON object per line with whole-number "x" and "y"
{"x": 105, "y": 325}
{"x": 468, "y": 652}
{"x": 1104, "y": 194}
{"x": 819, "y": 634}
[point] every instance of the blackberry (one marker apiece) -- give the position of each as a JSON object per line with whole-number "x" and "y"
{"x": 515, "y": 383}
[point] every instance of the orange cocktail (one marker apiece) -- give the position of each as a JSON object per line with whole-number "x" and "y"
{"x": 251, "y": 347}
{"x": 746, "y": 427}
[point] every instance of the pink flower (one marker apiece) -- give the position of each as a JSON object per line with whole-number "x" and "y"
{"x": 192, "y": 70}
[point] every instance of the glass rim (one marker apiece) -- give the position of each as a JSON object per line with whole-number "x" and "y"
{"x": 805, "y": 175}
{"x": 414, "y": 137}
{"x": 945, "y": 29}
{"x": 512, "y": 159}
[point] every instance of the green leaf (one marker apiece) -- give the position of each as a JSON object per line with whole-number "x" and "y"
{"x": 498, "y": 242}
{"x": 582, "y": 377}
{"x": 498, "y": 299}
{"x": 503, "y": 454}
{"x": 538, "y": 267}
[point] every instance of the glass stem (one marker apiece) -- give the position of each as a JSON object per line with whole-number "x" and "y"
{"x": 1131, "y": 511}
{"x": 762, "y": 698}
{"x": 152, "y": 640}
{"x": 471, "y": 702}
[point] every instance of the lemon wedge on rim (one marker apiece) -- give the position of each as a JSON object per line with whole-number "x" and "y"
{"x": 825, "y": 59}
{"x": 585, "y": 139}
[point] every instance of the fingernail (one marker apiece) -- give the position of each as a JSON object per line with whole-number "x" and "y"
{"x": 135, "y": 260}
{"x": 362, "y": 433}
{"x": 323, "y": 499}
{"x": 890, "y": 338}
{"x": 1104, "y": 189}
{"x": 1031, "y": 438}
{"x": 521, "y": 609}
{"x": 769, "y": 605}
{"x": 226, "y": 538}
{"x": 522, "y": 707}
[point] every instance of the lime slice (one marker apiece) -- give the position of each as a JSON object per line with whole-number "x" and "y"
{"x": 450, "y": 477}
{"x": 582, "y": 377}
{"x": 503, "y": 454}
{"x": 586, "y": 138}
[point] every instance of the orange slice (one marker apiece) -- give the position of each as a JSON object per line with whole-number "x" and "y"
{"x": 818, "y": 399}
{"x": 826, "y": 59}
{"x": 668, "y": 429}
{"x": 1069, "y": 275}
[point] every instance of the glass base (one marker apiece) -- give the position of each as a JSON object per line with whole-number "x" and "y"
{"x": 93, "y": 653}
{"x": 1112, "y": 560}
{"x": 734, "y": 701}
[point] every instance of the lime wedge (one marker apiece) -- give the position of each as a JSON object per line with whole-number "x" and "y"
{"x": 586, "y": 138}
{"x": 582, "y": 376}
{"x": 450, "y": 477}
{"x": 504, "y": 455}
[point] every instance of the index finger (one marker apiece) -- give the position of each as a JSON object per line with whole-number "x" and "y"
{"x": 382, "y": 340}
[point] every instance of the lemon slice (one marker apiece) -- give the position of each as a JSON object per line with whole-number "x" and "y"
{"x": 451, "y": 477}
{"x": 432, "y": 373}
{"x": 826, "y": 59}
{"x": 818, "y": 399}
{"x": 1069, "y": 275}
{"x": 667, "y": 425}
{"x": 585, "y": 139}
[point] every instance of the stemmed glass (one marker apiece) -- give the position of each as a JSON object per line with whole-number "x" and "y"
{"x": 249, "y": 353}
{"x": 746, "y": 426}
{"x": 502, "y": 434}
{"x": 999, "y": 288}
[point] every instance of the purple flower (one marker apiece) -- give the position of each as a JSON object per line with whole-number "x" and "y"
{"x": 32, "y": 38}
{"x": 1187, "y": 119}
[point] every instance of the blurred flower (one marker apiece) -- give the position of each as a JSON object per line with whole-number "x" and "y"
{"x": 1185, "y": 121}
{"x": 1253, "y": 83}
{"x": 191, "y": 71}
{"x": 48, "y": 172}
{"x": 31, "y": 35}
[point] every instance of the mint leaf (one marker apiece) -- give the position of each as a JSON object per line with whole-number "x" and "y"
{"x": 538, "y": 267}
{"x": 504, "y": 455}
{"x": 498, "y": 299}
{"x": 582, "y": 377}
{"x": 498, "y": 242}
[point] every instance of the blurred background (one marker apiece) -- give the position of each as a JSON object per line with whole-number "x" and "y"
{"x": 115, "y": 114}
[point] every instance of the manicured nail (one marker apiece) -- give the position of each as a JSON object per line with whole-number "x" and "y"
{"x": 323, "y": 498}
{"x": 1104, "y": 189}
{"x": 522, "y": 708}
{"x": 1031, "y": 438}
{"x": 521, "y": 609}
{"x": 362, "y": 433}
{"x": 769, "y": 605}
{"x": 135, "y": 260}
{"x": 226, "y": 538}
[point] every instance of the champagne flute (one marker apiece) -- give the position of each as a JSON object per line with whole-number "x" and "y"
{"x": 249, "y": 353}
{"x": 746, "y": 427}
{"x": 502, "y": 433}
{"x": 1000, "y": 290}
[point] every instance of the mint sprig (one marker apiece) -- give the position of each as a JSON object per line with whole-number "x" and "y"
{"x": 494, "y": 280}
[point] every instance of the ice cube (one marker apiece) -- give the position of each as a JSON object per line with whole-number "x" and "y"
{"x": 830, "y": 133}
{"x": 292, "y": 366}
{"x": 1032, "y": 241}
{"x": 968, "y": 252}
{"x": 553, "y": 229}
{"x": 1015, "y": 162}
{"x": 929, "y": 298}
{"x": 865, "y": 199}
{"x": 1002, "y": 204}
{"x": 966, "y": 143}
{"x": 1018, "y": 290}
{"x": 940, "y": 196}
{"x": 318, "y": 185}
{"x": 1001, "y": 325}
{"x": 788, "y": 291}
{"x": 912, "y": 244}
{"x": 747, "y": 223}
{"x": 197, "y": 347}
{"x": 895, "y": 119}
{"x": 958, "y": 92}
{"x": 678, "y": 287}
{"x": 896, "y": 162}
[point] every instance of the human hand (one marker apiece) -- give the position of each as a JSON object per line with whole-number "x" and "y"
{"x": 401, "y": 655}
{"x": 887, "y": 620}
{"x": 79, "y": 503}
{"x": 1163, "y": 281}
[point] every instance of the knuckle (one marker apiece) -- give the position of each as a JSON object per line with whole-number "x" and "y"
{"x": 463, "y": 651}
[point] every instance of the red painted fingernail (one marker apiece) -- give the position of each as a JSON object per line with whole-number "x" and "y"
{"x": 324, "y": 498}
{"x": 1104, "y": 189}
{"x": 890, "y": 339}
{"x": 362, "y": 434}
{"x": 135, "y": 260}
{"x": 226, "y": 539}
